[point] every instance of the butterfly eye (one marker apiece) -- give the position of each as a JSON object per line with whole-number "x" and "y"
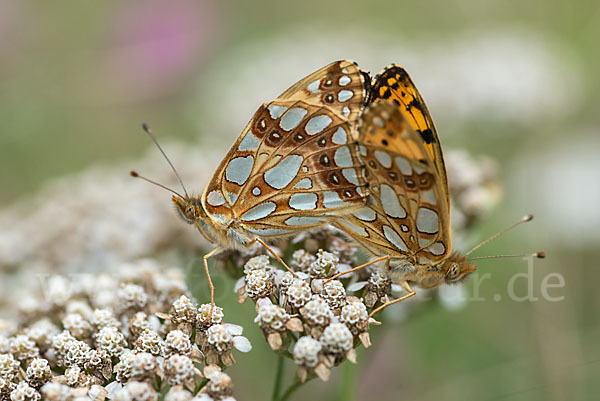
{"x": 453, "y": 271}
{"x": 190, "y": 211}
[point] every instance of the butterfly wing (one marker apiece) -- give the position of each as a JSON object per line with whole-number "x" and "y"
{"x": 340, "y": 86}
{"x": 394, "y": 84}
{"x": 406, "y": 215}
{"x": 295, "y": 164}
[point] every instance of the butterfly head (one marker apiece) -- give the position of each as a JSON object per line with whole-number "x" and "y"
{"x": 453, "y": 270}
{"x": 192, "y": 212}
{"x": 456, "y": 268}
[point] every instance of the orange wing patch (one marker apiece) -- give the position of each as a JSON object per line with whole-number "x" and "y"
{"x": 394, "y": 84}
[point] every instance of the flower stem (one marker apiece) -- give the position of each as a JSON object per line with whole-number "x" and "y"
{"x": 290, "y": 390}
{"x": 347, "y": 387}
{"x": 278, "y": 378}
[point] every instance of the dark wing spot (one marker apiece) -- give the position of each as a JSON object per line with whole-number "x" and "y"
{"x": 329, "y": 98}
{"x": 334, "y": 179}
{"x": 427, "y": 135}
{"x": 274, "y": 138}
{"x": 384, "y": 142}
{"x": 410, "y": 183}
{"x": 414, "y": 104}
{"x": 261, "y": 125}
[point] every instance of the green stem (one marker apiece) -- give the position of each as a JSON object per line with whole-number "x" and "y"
{"x": 278, "y": 378}
{"x": 346, "y": 390}
{"x": 291, "y": 390}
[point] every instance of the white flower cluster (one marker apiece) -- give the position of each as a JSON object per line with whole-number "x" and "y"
{"x": 107, "y": 341}
{"x": 331, "y": 323}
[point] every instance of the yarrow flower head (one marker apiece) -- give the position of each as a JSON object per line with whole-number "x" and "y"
{"x": 219, "y": 340}
{"x": 326, "y": 264}
{"x": 306, "y": 352}
{"x": 206, "y": 318}
{"x": 144, "y": 334}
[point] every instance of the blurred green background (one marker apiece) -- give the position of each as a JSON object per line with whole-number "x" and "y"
{"x": 515, "y": 80}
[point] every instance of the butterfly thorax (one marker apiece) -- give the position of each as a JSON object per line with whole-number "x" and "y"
{"x": 223, "y": 230}
{"x": 452, "y": 270}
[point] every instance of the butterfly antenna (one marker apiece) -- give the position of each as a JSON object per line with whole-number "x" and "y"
{"x": 136, "y": 175}
{"x": 539, "y": 255}
{"x": 149, "y": 132}
{"x": 524, "y": 219}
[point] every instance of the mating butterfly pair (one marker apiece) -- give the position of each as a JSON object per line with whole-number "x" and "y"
{"x": 338, "y": 148}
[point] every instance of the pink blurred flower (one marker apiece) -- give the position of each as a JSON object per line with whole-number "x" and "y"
{"x": 154, "y": 46}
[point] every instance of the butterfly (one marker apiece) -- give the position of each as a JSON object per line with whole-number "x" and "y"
{"x": 293, "y": 167}
{"x": 406, "y": 219}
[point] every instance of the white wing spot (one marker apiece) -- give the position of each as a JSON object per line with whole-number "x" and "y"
{"x": 276, "y": 111}
{"x": 342, "y": 157}
{"x": 305, "y": 169}
{"x": 344, "y": 80}
{"x": 340, "y": 137}
{"x": 332, "y": 200}
{"x": 292, "y": 118}
{"x": 304, "y": 183}
{"x": 429, "y": 196}
{"x": 215, "y": 198}
{"x": 269, "y": 231}
{"x": 259, "y": 211}
{"x": 317, "y": 124}
{"x": 346, "y": 111}
{"x": 250, "y": 142}
{"x": 427, "y": 221}
{"x": 404, "y": 228}
{"x": 403, "y": 165}
{"x": 345, "y": 95}
{"x": 238, "y": 170}
{"x": 383, "y": 158}
{"x": 365, "y": 214}
{"x": 353, "y": 227}
{"x": 378, "y": 122}
{"x": 394, "y": 238}
{"x": 418, "y": 170}
{"x": 437, "y": 249}
{"x": 284, "y": 172}
{"x": 303, "y": 221}
{"x": 231, "y": 196}
{"x": 303, "y": 201}
{"x": 256, "y": 191}
{"x": 350, "y": 175}
{"x": 313, "y": 87}
{"x": 423, "y": 242}
{"x": 391, "y": 204}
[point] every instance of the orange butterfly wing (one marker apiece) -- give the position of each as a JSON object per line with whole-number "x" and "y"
{"x": 406, "y": 215}
{"x": 393, "y": 83}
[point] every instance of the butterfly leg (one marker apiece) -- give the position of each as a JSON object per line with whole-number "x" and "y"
{"x": 210, "y": 283}
{"x": 386, "y": 258}
{"x": 272, "y": 252}
{"x": 406, "y": 288}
